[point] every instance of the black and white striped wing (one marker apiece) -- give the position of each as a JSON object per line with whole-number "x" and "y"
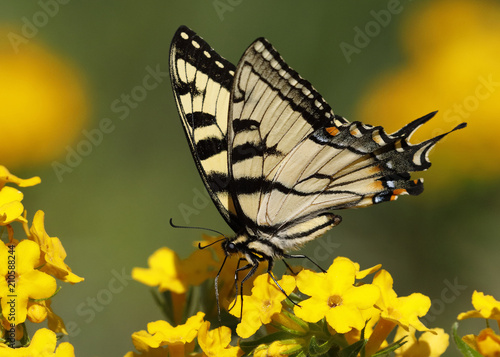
{"x": 293, "y": 161}
{"x": 202, "y": 81}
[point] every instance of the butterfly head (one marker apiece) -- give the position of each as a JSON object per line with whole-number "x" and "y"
{"x": 229, "y": 247}
{"x": 234, "y": 245}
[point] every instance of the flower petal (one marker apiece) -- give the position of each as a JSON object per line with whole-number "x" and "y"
{"x": 312, "y": 309}
{"x": 344, "y": 318}
{"x": 341, "y": 275}
{"x": 6, "y": 176}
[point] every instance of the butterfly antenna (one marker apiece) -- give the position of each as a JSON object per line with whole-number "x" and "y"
{"x": 203, "y": 228}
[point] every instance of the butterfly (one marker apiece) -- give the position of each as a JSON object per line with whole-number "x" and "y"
{"x": 274, "y": 157}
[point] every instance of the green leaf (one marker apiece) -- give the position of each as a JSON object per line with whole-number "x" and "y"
{"x": 300, "y": 322}
{"x": 25, "y": 340}
{"x": 248, "y": 346}
{"x": 463, "y": 347}
{"x": 317, "y": 349}
{"x": 300, "y": 354}
{"x": 352, "y": 350}
{"x": 392, "y": 347}
{"x": 164, "y": 302}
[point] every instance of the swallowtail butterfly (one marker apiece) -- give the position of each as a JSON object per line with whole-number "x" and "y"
{"x": 274, "y": 157}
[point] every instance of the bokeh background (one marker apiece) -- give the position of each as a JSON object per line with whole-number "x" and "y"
{"x": 75, "y": 109}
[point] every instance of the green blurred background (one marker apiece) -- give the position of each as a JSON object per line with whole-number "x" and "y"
{"x": 111, "y": 211}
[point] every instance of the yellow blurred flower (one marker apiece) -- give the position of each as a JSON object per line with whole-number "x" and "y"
{"x": 486, "y": 307}
{"x": 168, "y": 272}
{"x": 334, "y": 296}
{"x": 43, "y": 104}
{"x": 216, "y": 343}
{"x": 265, "y": 301}
{"x": 29, "y": 282}
{"x": 429, "y": 344}
{"x": 453, "y": 48}
{"x": 160, "y": 333}
{"x": 53, "y": 253}
{"x": 44, "y": 344}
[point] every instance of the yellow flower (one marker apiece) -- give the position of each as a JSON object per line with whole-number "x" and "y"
{"x": 217, "y": 342}
{"x": 486, "y": 307}
{"x": 265, "y": 301}
{"x": 161, "y": 333}
{"x": 403, "y": 311}
{"x": 53, "y": 253}
{"x": 43, "y": 344}
{"x": 371, "y": 316}
{"x": 11, "y": 208}
{"x": 452, "y": 66}
{"x": 487, "y": 342}
{"x": 43, "y": 104}
{"x": 6, "y": 177}
{"x": 28, "y": 282}
{"x": 280, "y": 348}
{"x": 334, "y": 296}
{"x": 168, "y": 272}
{"x": 41, "y": 310}
{"x": 361, "y": 274}
{"x": 429, "y": 344}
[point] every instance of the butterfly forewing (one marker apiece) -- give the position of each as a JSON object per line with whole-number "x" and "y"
{"x": 202, "y": 82}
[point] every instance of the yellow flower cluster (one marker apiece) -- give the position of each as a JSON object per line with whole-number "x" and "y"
{"x": 487, "y": 342}
{"x": 180, "y": 339}
{"x": 29, "y": 268}
{"x": 310, "y": 313}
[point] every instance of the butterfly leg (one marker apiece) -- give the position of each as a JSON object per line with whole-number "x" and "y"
{"x": 270, "y": 264}
{"x": 238, "y": 269}
{"x": 289, "y": 267}
{"x": 290, "y": 256}
{"x": 253, "y": 269}
{"x": 236, "y": 274}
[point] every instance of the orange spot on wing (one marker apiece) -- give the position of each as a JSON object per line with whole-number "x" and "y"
{"x": 332, "y": 130}
{"x": 399, "y": 191}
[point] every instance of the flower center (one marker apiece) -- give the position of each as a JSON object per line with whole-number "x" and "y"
{"x": 334, "y": 301}
{"x": 266, "y": 305}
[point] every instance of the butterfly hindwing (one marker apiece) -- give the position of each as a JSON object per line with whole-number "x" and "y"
{"x": 293, "y": 161}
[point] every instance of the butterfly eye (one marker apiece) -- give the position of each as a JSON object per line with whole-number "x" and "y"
{"x": 231, "y": 248}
